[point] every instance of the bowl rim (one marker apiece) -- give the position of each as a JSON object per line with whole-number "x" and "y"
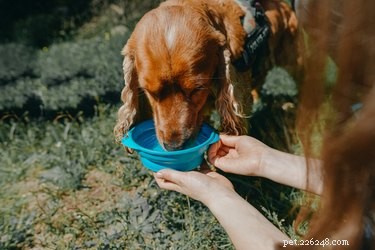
{"x": 128, "y": 141}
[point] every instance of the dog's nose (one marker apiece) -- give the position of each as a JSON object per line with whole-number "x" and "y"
{"x": 172, "y": 146}
{"x": 173, "y": 140}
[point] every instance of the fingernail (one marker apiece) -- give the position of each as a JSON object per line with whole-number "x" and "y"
{"x": 159, "y": 175}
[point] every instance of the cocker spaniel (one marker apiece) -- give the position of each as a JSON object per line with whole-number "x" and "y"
{"x": 178, "y": 65}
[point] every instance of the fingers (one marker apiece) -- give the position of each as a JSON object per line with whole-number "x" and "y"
{"x": 170, "y": 175}
{"x": 224, "y": 163}
{"x": 229, "y": 140}
{"x": 222, "y": 147}
{"x": 213, "y": 151}
{"x": 197, "y": 185}
{"x": 164, "y": 184}
{"x": 169, "y": 179}
{"x": 226, "y": 141}
{"x": 220, "y": 155}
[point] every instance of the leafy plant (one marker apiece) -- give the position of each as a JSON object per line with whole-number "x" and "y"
{"x": 17, "y": 61}
{"x": 73, "y": 76}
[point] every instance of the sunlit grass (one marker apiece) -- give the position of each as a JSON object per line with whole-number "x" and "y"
{"x": 66, "y": 184}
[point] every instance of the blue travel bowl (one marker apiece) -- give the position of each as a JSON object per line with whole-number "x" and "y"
{"x": 142, "y": 138}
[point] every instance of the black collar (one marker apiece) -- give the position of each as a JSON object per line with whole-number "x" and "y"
{"x": 256, "y": 42}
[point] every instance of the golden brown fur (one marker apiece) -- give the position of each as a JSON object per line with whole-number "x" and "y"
{"x": 180, "y": 56}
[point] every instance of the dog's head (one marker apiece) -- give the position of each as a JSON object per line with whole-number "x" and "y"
{"x": 178, "y": 60}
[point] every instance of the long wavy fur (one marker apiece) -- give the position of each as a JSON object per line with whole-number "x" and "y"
{"x": 229, "y": 108}
{"x": 129, "y": 96}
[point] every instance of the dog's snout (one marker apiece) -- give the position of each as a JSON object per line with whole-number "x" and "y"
{"x": 173, "y": 141}
{"x": 173, "y": 146}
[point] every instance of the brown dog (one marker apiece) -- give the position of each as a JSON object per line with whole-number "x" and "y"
{"x": 179, "y": 55}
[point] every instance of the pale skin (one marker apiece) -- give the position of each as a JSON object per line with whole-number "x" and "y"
{"x": 243, "y": 155}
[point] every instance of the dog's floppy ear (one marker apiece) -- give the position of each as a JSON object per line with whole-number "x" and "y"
{"x": 230, "y": 110}
{"x": 223, "y": 17}
{"x": 129, "y": 96}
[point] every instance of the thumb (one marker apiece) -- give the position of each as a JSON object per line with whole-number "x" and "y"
{"x": 229, "y": 140}
{"x": 221, "y": 147}
{"x": 169, "y": 179}
{"x": 222, "y": 162}
{"x": 170, "y": 175}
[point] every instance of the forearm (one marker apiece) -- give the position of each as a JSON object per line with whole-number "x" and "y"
{"x": 293, "y": 171}
{"x": 246, "y": 226}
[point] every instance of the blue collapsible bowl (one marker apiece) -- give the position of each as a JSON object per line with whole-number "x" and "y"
{"x": 142, "y": 138}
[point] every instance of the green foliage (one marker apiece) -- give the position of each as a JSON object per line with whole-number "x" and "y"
{"x": 40, "y": 23}
{"x": 66, "y": 184}
{"x": 279, "y": 83}
{"x": 49, "y": 145}
{"x": 61, "y": 77}
{"x": 16, "y": 61}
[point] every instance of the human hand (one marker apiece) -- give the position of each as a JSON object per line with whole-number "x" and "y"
{"x": 202, "y": 186}
{"x": 238, "y": 154}
{"x": 234, "y": 213}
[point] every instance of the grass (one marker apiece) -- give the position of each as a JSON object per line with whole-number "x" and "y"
{"x": 65, "y": 184}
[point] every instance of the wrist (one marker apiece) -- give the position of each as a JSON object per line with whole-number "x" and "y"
{"x": 220, "y": 200}
{"x": 275, "y": 165}
{"x": 287, "y": 169}
{"x": 266, "y": 166}
{"x": 238, "y": 217}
